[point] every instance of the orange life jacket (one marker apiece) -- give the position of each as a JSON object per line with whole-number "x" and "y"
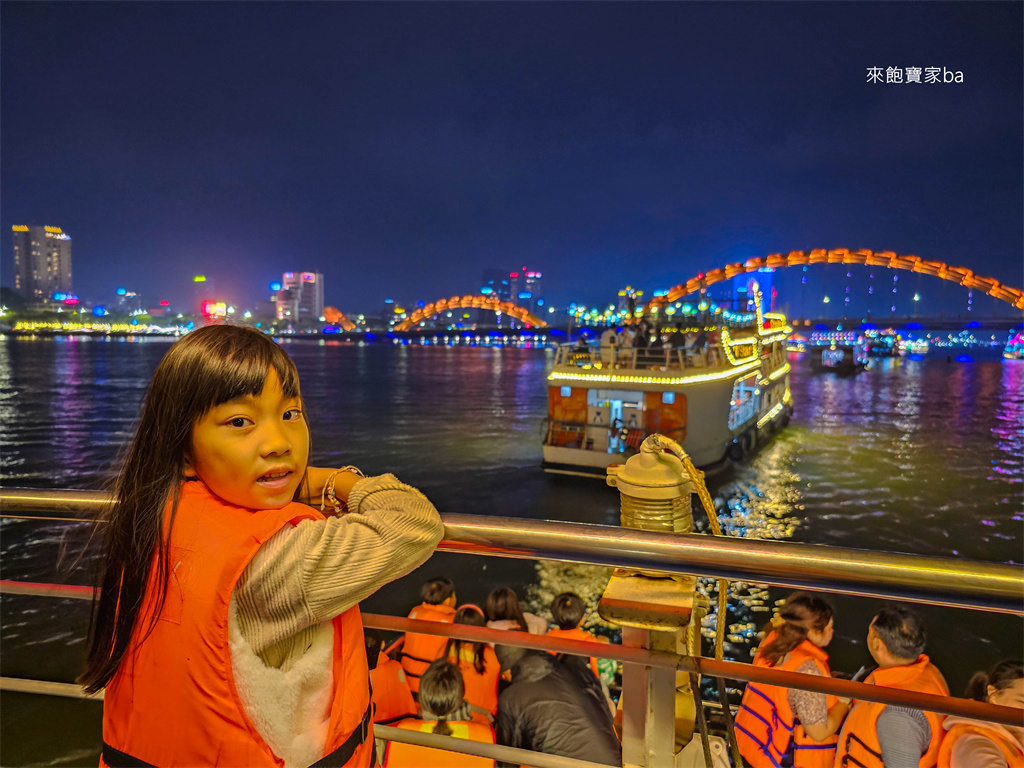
{"x": 1013, "y": 752}
{"x": 858, "y": 741}
{"x": 398, "y": 755}
{"x": 766, "y": 727}
{"x": 392, "y": 698}
{"x": 481, "y": 687}
{"x": 173, "y": 700}
{"x": 418, "y": 651}
{"x": 579, "y": 634}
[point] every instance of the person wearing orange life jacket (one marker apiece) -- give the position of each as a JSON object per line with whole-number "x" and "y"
{"x": 418, "y": 651}
{"x": 222, "y": 588}
{"x": 392, "y": 699}
{"x": 443, "y": 711}
{"x": 979, "y": 744}
{"x": 478, "y": 664}
{"x": 568, "y": 611}
{"x": 773, "y": 721}
{"x": 883, "y": 735}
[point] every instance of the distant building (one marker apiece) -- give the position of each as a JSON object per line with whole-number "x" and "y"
{"x": 301, "y": 297}
{"x": 526, "y": 290}
{"x": 42, "y": 262}
{"x": 202, "y": 293}
{"x": 497, "y": 283}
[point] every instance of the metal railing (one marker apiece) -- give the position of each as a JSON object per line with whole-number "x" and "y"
{"x": 939, "y": 581}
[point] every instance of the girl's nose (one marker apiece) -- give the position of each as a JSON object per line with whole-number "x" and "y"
{"x": 275, "y": 440}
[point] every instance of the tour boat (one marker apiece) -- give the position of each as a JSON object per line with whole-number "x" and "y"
{"x": 1014, "y": 349}
{"x": 840, "y": 352}
{"x": 720, "y": 397}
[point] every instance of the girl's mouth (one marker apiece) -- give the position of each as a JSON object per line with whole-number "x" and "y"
{"x": 275, "y": 480}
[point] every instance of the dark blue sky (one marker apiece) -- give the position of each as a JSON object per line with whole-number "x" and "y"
{"x": 403, "y": 148}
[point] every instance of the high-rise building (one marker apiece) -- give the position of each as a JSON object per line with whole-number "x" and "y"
{"x": 498, "y": 284}
{"x": 42, "y": 261}
{"x": 301, "y": 297}
{"x": 526, "y": 289}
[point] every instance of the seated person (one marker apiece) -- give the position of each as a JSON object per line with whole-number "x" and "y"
{"x": 418, "y": 651}
{"x": 568, "y": 611}
{"x": 980, "y": 744}
{"x": 391, "y": 696}
{"x": 504, "y": 612}
{"x": 478, "y": 664}
{"x": 443, "y": 711}
{"x": 556, "y": 706}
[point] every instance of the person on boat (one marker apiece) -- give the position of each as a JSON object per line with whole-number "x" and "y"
{"x": 221, "y": 586}
{"x": 392, "y": 699}
{"x": 609, "y": 346}
{"x": 625, "y": 345}
{"x": 568, "y": 612}
{"x": 417, "y": 651}
{"x": 555, "y": 705}
{"x": 774, "y": 721}
{"x": 980, "y": 744}
{"x": 478, "y": 664}
{"x": 443, "y": 710}
{"x": 884, "y": 735}
{"x": 503, "y": 611}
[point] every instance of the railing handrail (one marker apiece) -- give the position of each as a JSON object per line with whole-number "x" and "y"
{"x": 628, "y": 655}
{"x": 934, "y": 580}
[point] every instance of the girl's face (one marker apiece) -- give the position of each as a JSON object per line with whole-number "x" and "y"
{"x": 252, "y": 451}
{"x": 1012, "y": 696}
{"x": 822, "y": 638}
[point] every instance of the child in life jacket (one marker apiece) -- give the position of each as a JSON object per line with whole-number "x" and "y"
{"x": 568, "y": 612}
{"x": 503, "y": 611}
{"x": 981, "y": 744}
{"x": 774, "y": 721}
{"x": 478, "y": 664}
{"x": 227, "y": 630}
{"x": 418, "y": 651}
{"x": 392, "y": 699}
{"x": 443, "y": 711}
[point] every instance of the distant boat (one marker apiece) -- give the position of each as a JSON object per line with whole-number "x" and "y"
{"x": 840, "y": 352}
{"x": 721, "y": 396}
{"x": 1014, "y": 349}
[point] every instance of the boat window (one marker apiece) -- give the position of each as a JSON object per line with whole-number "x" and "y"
{"x": 668, "y": 398}
{"x": 743, "y": 405}
{"x": 566, "y": 391}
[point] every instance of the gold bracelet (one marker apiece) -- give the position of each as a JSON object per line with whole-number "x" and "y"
{"x": 340, "y": 507}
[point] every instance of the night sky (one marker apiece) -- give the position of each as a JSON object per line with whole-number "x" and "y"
{"x": 402, "y": 149}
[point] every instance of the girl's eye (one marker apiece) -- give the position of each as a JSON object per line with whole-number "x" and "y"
{"x": 293, "y": 414}
{"x": 239, "y": 422}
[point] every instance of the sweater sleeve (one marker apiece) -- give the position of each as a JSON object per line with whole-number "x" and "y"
{"x": 903, "y": 735}
{"x": 308, "y": 574}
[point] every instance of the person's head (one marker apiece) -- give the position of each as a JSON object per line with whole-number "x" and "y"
{"x": 441, "y": 692}
{"x": 567, "y": 610}
{"x": 503, "y": 604}
{"x": 438, "y": 591}
{"x": 1002, "y": 685}
{"x": 896, "y": 637}
{"x": 374, "y": 645}
{"x": 223, "y": 408}
{"x": 470, "y": 615}
{"x": 802, "y": 617}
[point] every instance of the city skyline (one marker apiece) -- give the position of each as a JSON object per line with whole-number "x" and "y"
{"x": 602, "y": 145}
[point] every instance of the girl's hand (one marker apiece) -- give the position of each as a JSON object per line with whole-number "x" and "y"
{"x": 317, "y": 478}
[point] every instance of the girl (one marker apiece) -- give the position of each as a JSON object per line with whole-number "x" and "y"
{"x": 226, "y": 631}
{"x": 979, "y": 744}
{"x": 478, "y": 664}
{"x": 770, "y": 717}
{"x": 504, "y": 612}
{"x": 443, "y": 711}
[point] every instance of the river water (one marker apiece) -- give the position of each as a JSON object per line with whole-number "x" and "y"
{"x": 920, "y": 456}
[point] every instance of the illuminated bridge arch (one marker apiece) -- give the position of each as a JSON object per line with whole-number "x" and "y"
{"x": 959, "y": 275}
{"x": 466, "y": 302}
{"x": 335, "y": 316}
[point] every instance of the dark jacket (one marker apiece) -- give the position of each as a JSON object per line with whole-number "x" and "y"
{"x": 556, "y": 705}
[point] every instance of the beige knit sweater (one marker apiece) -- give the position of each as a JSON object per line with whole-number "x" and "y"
{"x": 308, "y": 574}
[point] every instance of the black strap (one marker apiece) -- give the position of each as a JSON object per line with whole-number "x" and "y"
{"x": 115, "y": 758}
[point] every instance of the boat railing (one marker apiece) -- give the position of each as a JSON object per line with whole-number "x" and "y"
{"x": 938, "y": 581}
{"x": 582, "y": 435}
{"x": 639, "y": 358}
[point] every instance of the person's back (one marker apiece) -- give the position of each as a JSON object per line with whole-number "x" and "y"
{"x": 478, "y": 664}
{"x": 441, "y": 697}
{"x": 568, "y": 612}
{"x": 556, "y": 706}
{"x": 887, "y": 736}
{"x": 419, "y": 650}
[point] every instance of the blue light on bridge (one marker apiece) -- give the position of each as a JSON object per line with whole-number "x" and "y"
{"x": 99, "y": 311}
{"x": 964, "y": 359}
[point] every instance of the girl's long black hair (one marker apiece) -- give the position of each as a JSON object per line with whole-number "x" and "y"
{"x": 207, "y": 367}
{"x": 474, "y": 617}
